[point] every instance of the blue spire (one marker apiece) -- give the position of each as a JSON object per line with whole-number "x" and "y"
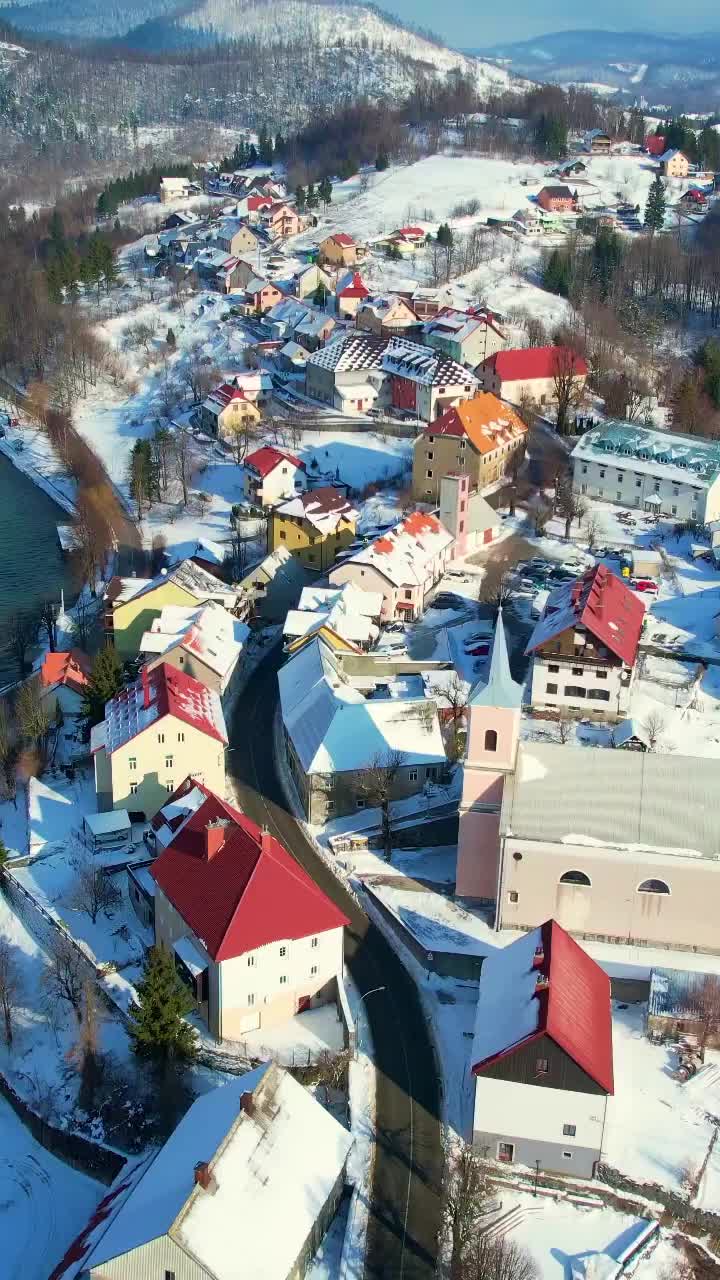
{"x": 501, "y": 690}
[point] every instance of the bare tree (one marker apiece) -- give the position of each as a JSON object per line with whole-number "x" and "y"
{"x": 8, "y": 755}
{"x": 201, "y": 375}
{"x": 63, "y": 977}
{"x": 653, "y": 726}
{"x": 31, "y": 714}
{"x": 240, "y": 434}
{"x": 540, "y": 512}
{"x": 592, "y": 525}
{"x": 565, "y": 724}
{"x": 183, "y": 459}
{"x": 465, "y": 1193}
{"x": 567, "y": 386}
{"x": 570, "y": 505}
{"x": 10, "y": 985}
{"x": 496, "y": 585}
{"x": 92, "y": 891}
{"x": 84, "y": 617}
{"x": 455, "y": 698}
{"x": 497, "y": 1258}
{"x": 377, "y": 785}
{"x": 48, "y": 622}
{"x": 20, "y": 631}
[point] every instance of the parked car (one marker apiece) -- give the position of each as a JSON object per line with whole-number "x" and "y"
{"x": 448, "y": 600}
{"x": 644, "y": 584}
{"x": 479, "y": 651}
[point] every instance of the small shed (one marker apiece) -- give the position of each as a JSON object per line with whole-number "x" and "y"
{"x": 108, "y": 831}
{"x": 645, "y": 563}
{"x": 629, "y": 735}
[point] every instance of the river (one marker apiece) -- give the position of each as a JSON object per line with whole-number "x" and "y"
{"x": 31, "y": 567}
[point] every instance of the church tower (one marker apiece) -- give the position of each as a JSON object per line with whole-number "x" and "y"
{"x": 493, "y": 728}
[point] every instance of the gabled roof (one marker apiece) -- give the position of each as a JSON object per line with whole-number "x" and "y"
{"x": 355, "y": 289}
{"x": 249, "y": 893}
{"x": 499, "y": 690}
{"x": 209, "y": 632}
{"x": 670, "y": 155}
{"x": 350, "y": 351}
{"x": 267, "y": 458}
{"x": 221, "y": 397}
{"x": 557, "y": 192}
{"x": 522, "y": 363}
{"x": 485, "y": 421}
{"x": 323, "y": 508}
{"x": 574, "y": 1011}
{"x": 600, "y": 602}
{"x": 424, "y": 365}
{"x": 341, "y": 238}
{"x": 403, "y": 554}
{"x": 158, "y": 693}
{"x": 69, "y": 669}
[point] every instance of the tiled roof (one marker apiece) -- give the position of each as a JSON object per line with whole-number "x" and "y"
{"x": 557, "y": 193}
{"x": 266, "y": 459}
{"x": 249, "y": 893}
{"x": 485, "y": 420}
{"x": 403, "y": 554}
{"x": 355, "y": 289}
{"x": 522, "y": 363}
{"x": 69, "y": 669}
{"x": 600, "y": 602}
{"x": 689, "y": 459}
{"x": 423, "y": 364}
{"x": 342, "y": 238}
{"x": 158, "y": 693}
{"x": 349, "y": 352}
{"x": 324, "y": 508}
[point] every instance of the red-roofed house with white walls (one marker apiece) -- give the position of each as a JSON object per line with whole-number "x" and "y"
{"x": 402, "y": 565}
{"x": 272, "y": 476}
{"x": 542, "y": 1054}
{"x": 252, "y": 933}
{"x": 530, "y": 371}
{"x": 585, "y": 645}
{"x": 350, "y": 294}
{"x": 157, "y": 731}
{"x": 493, "y": 730}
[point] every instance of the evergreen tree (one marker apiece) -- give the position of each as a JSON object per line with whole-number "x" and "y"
{"x": 265, "y": 146}
{"x": 300, "y": 200}
{"x": 557, "y": 274}
{"x": 279, "y": 146}
{"x": 56, "y": 231}
{"x": 382, "y": 160}
{"x": 656, "y": 205}
{"x": 445, "y": 236}
{"x": 550, "y": 136}
{"x": 325, "y": 191}
{"x": 142, "y": 478}
{"x": 252, "y": 156}
{"x": 157, "y": 1018}
{"x": 311, "y": 199}
{"x": 106, "y": 679}
{"x": 709, "y": 148}
{"x": 170, "y": 339}
{"x": 320, "y": 295}
{"x": 54, "y": 281}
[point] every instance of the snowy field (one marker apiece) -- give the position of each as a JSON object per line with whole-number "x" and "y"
{"x": 44, "y": 1202}
{"x": 561, "y": 1237}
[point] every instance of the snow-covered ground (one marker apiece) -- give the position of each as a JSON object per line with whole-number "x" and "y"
{"x": 56, "y": 806}
{"x": 44, "y": 1202}
{"x": 315, "y": 1032}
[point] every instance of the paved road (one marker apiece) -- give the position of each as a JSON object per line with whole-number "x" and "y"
{"x": 405, "y": 1209}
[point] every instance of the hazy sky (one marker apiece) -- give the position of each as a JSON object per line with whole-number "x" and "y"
{"x": 477, "y": 23}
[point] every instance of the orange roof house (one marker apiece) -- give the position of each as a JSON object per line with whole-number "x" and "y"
{"x": 481, "y": 438}
{"x": 63, "y": 680}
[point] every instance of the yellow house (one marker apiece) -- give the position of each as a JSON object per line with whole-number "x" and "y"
{"x": 314, "y": 526}
{"x": 339, "y": 250}
{"x": 156, "y": 732}
{"x": 132, "y": 604}
{"x": 227, "y": 410}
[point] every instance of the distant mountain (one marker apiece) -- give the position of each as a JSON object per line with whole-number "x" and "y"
{"x": 675, "y": 70}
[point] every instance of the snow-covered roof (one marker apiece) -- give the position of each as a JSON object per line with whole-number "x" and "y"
{"x": 193, "y": 958}
{"x": 323, "y": 508}
{"x": 335, "y": 728}
{"x": 424, "y": 365}
{"x": 210, "y": 633}
{"x": 631, "y": 800}
{"x": 573, "y": 1009}
{"x": 347, "y": 610}
{"x": 287, "y": 311}
{"x": 104, "y": 824}
{"x": 600, "y": 604}
{"x": 158, "y": 693}
{"x": 350, "y": 352}
{"x": 367, "y": 604}
{"x": 189, "y": 577}
{"x": 168, "y": 820}
{"x": 404, "y": 555}
{"x": 688, "y": 460}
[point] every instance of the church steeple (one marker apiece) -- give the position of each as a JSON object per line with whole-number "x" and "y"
{"x": 500, "y": 690}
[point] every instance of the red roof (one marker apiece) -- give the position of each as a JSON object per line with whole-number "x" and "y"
{"x": 258, "y": 202}
{"x": 249, "y": 893}
{"x": 574, "y": 1011}
{"x": 356, "y": 288}
{"x": 603, "y": 604}
{"x": 158, "y": 693}
{"x": 411, "y": 231}
{"x": 267, "y": 458}
{"x": 519, "y": 364}
{"x": 70, "y": 669}
{"x": 341, "y": 237}
{"x": 226, "y": 393}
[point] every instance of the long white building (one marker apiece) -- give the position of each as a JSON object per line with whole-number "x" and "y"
{"x": 657, "y": 471}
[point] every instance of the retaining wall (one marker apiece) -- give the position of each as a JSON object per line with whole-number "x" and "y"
{"x": 100, "y": 1162}
{"x": 446, "y": 964}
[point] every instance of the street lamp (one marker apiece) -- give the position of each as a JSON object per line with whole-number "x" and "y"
{"x": 371, "y": 992}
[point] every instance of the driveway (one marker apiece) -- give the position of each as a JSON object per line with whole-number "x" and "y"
{"x": 405, "y": 1205}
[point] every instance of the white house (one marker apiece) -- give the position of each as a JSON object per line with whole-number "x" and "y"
{"x": 207, "y": 643}
{"x": 657, "y": 471}
{"x": 530, "y": 371}
{"x": 352, "y": 614}
{"x": 542, "y": 1054}
{"x": 254, "y": 936}
{"x": 403, "y": 565}
{"x": 64, "y": 679}
{"x": 273, "y": 475}
{"x": 248, "y": 1183}
{"x": 585, "y": 644}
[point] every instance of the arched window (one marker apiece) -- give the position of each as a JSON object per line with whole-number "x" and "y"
{"x": 653, "y": 886}
{"x": 575, "y": 877}
{"x": 490, "y": 740}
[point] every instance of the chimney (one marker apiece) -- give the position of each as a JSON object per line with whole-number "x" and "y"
{"x": 247, "y": 1102}
{"x": 542, "y": 984}
{"x": 265, "y": 839}
{"x": 214, "y": 837}
{"x": 201, "y": 1174}
{"x": 539, "y": 957}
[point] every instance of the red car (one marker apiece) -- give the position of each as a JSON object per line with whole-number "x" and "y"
{"x": 644, "y": 584}
{"x": 479, "y": 651}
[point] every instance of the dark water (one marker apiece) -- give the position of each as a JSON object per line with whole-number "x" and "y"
{"x": 31, "y": 567}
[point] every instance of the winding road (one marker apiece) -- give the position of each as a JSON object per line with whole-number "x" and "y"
{"x": 405, "y": 1205}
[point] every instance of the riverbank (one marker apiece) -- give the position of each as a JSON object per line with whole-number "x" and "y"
{"x": 33, "y": 461}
